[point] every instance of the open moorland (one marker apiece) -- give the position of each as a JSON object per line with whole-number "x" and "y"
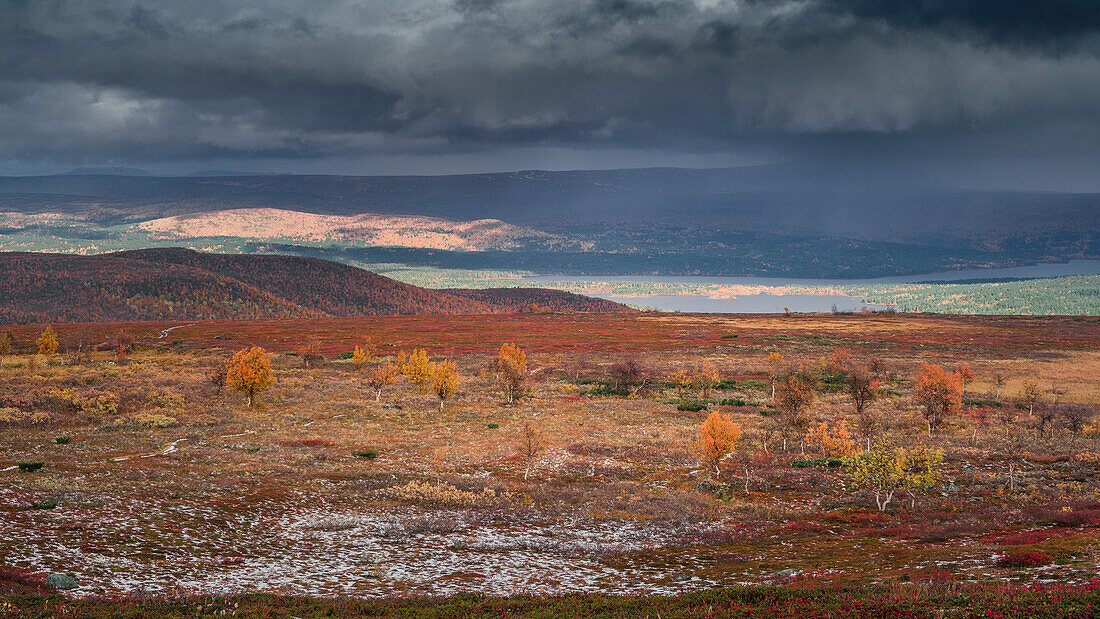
{"x": 784, "y": 464}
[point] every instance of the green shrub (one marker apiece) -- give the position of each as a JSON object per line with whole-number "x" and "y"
{"x": 50, "y": 504}
{"x": 818, "y": 462}
{"x": 369, "y": 454}
{"x": 739, "y": 402}
{"x": 604, "y": 389}
{"x": 692, "y": 407}
{"x": 493, "y": 426}
{"x": 63, "y": 440}
{"x": 30, "y": 466}
{"x": 347, "y": 354}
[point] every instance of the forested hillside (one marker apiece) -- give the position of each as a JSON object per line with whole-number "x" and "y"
{"x": 516, "y": 300}
{"x": 170, "y": 284}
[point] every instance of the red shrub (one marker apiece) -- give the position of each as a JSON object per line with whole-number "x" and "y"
{"x": 1024, "y": 559}
{"x": 803, "y": 526}
{"x": 16, "y": 581}
{"x": 1020, "y": 538}
{"x": 927, "y": 575}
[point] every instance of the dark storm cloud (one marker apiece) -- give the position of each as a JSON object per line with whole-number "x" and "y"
{"x": 1007, "y": 21}
{"x": 163, "y": 80}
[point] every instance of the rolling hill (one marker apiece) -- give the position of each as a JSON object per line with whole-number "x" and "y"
{"x": 181, "y": 284}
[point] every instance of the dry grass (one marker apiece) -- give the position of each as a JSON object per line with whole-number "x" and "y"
{"x": 143, "y": 501}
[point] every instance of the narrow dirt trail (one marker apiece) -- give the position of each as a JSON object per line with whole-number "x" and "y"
{"x": 172, "y": 448}
{"x": 164, "y": 334}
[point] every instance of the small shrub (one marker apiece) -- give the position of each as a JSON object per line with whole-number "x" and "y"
{"x": 166, "y": 399}
{"x": 347, "y": 354}
{"x": 493, "y": 426}
{"x": 818, "y": 462}
{"x": 49, "y": 504}
{"x": 99, "y": 405}
{"x": 154, "y": 421}
{"x": 369, "y": 454}
{"x": 16, "y": 417}
{"x": 692, "y": 407}
{"x": 604, "y": 389}
{"x": 63, "y": 440}
{"x": 30, "y": 467}
{"x": 1024, "y": 559}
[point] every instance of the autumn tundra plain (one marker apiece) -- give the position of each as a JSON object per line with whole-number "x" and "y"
{"x": 720, "y": 461}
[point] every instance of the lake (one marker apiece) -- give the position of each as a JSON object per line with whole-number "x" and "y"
{"x": 747, "y": 304}
{"x": 771, "y": 303}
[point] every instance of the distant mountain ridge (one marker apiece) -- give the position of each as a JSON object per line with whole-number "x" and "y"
{"x": 826, "y": 200}
{"x": 181, "y": 284}
{"x": 784, "y": 220}
{"x": 111, "y": 171}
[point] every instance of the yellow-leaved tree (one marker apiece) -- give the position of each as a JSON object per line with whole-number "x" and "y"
{"x": 704, "y": 378}
{"x": 249, "y": 372}
{"x": 418, "y": 368}
{"x": 511, "y": 370}
{"x": 681, "y": 382}
{"x": 5, "y": 347}
{"x": 47, "y": 344}
{"x": 886, "y": 469}
{"x": 717, "y": 439}
{"x": 444, "y": 380}
{"x": 359, "y": 357}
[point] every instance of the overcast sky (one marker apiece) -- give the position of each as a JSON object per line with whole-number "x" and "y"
{"x": 977, "y": 92}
